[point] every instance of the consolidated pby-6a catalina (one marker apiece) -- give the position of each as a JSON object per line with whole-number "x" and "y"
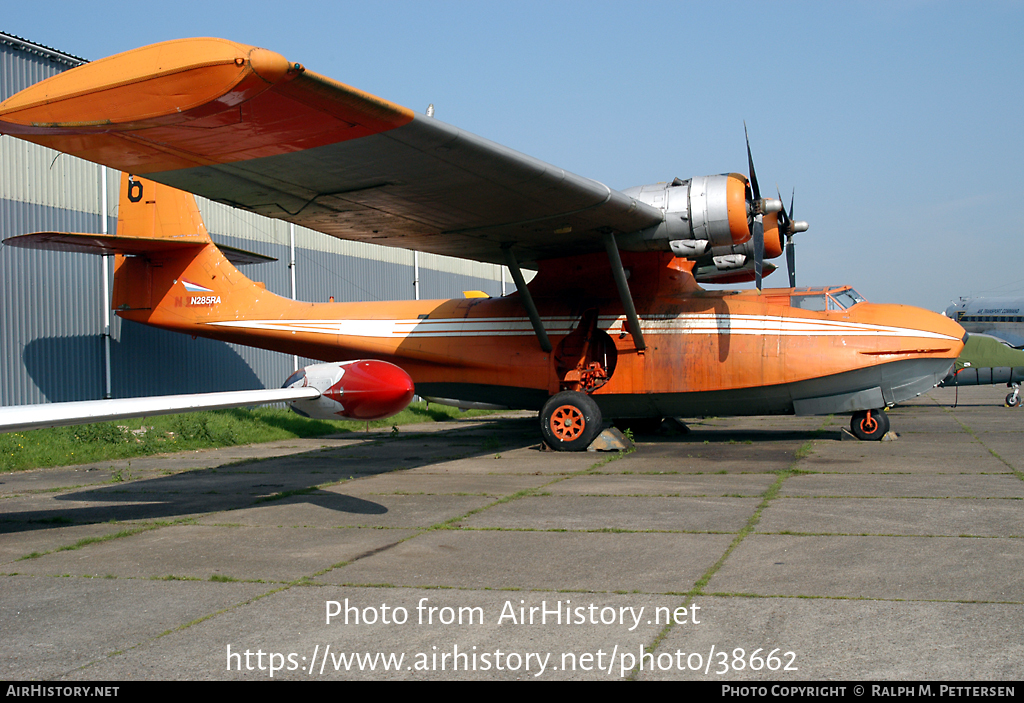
{"x": 615, "y": 324}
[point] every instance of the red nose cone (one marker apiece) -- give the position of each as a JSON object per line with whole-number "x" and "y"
{"x": 371, "y": 390}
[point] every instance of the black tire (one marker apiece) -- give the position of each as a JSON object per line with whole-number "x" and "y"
{"x": 570, "y": 421}
{"x": 1012, "y": 400}
{"x": 869, "y": 425}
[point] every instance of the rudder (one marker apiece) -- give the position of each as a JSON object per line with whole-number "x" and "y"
{"x": 177, "y": 219}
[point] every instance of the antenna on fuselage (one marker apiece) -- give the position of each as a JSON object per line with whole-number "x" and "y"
{"x": 430, "y": 110}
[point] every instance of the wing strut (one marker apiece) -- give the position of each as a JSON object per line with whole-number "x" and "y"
{"x": 620, "y": 282}
{"x": 524, "y": 294}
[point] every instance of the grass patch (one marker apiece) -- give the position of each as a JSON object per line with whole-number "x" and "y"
{"x": 124, "y": 439}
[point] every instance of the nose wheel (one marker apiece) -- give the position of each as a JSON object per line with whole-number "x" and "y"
{"x": 869, "y": 425}
{"x": 570, "y": 421}
{"x": 1013, "y": 399}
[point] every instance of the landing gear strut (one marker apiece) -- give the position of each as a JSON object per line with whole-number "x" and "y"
{"x": 869, "y": 425}
{"x": 570, "y": 421}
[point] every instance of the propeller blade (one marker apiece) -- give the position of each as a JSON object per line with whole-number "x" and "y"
{"x": 750, "y": 163}
{"x": 758, "y": 252}
{"x": 790, "y": 246}
{"x": 783, "y": 217}
{"x": 763, "y": 208}
{"x": 791, "y": 260}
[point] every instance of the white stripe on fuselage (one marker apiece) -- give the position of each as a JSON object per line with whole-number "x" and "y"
{"x": 700, "y": 323}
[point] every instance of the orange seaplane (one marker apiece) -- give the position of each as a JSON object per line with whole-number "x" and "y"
{"x": 615, "y": 325}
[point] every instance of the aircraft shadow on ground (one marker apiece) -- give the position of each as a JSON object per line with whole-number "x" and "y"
{"x": 146, "y": 361}
{"x": 734, "y": 435}
{"x": 285, "y": 480}
{"x": 293, "y": 479}
{"x": 742, "y": 435}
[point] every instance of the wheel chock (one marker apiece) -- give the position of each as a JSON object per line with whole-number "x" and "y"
{"x": 610, "y": 440}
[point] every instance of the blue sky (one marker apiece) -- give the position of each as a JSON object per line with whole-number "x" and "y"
{"x": 899, "y": 123}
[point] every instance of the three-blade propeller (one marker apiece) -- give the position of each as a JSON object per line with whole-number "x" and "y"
{"x": 762, "y": 206}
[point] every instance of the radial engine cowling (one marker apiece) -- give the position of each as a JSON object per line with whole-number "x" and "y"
{"x": 359, "y": 390}
{"x": 700, "y": 213}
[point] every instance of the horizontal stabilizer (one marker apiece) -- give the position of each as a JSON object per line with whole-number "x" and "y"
{"x": 33, "y": 417}
{"x": 106, "y": 244}
{"x": 241, "y": 257}
{"x": 101, "y": 244}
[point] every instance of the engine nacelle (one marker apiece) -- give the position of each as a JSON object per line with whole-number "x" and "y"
{"x": 710, "y": 211}
{"x": 367, "y": 389}
{"x": 773, "y": 240}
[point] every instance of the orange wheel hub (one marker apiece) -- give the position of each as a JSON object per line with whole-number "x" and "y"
{"x": 567, "y": 423}
{"x": 869, "y": 424}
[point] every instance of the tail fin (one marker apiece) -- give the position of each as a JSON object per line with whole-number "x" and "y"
{"x": 142, "y": 227}
{"x": 168, "y": 271}
{"x": 160, "y": 235}
{"x": 177, "y": 220}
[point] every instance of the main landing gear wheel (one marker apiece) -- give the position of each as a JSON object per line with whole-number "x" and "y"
{"x": 570, "y": 421}
{"x": 869, "y": 425}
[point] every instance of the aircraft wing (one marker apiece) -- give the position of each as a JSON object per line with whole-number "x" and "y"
{"x": 246, "y": 127}
{"x": 18, "y": 418}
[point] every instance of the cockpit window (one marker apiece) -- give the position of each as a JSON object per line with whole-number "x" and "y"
{"x": 822, "y": 299}
{"x": 808, "y": 302}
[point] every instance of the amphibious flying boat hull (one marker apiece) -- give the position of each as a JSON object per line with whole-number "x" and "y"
{"x": 724, "y": 352}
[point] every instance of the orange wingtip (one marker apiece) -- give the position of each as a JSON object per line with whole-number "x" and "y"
{"x": 192, "y": 102}
{"x": 154, "y": 84}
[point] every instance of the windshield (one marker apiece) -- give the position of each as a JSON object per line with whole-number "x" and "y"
{"x": 822, "y": 299}
{"x": 847, "y": 298}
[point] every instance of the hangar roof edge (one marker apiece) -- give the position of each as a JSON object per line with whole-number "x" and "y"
{"x": 39, "y": 49}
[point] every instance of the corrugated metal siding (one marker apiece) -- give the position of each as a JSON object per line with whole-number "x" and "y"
{"x": 21, "y": 65}
{"x": 320, "y": 275}
{"x": 31, "y": 173}
{"x": 224, "y": 220}
{"x": 41, "y": 176}
{"x": 51, "y": 323}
